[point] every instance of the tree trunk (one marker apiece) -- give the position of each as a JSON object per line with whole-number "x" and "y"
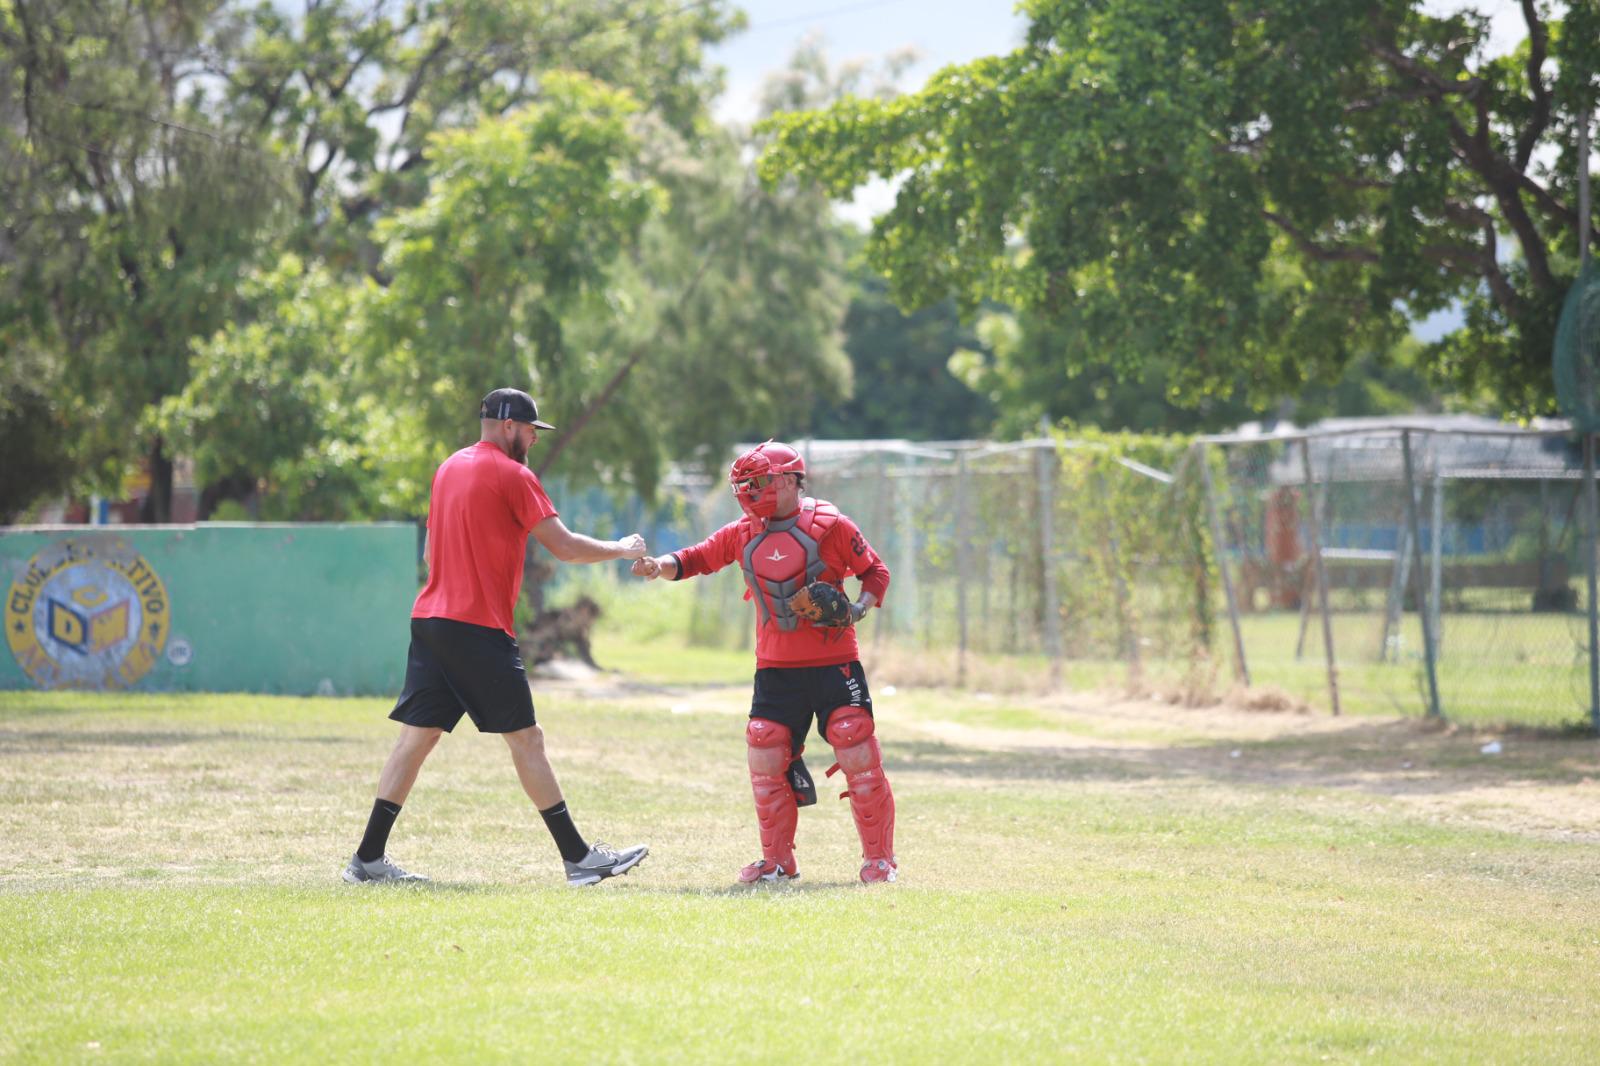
{"x": 562, "y": 632}
{"x": 238, "y": 487}
{"x": 536, "y": 571}
{"x": 157, "y": 506}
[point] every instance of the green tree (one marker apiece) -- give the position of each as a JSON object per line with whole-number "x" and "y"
{"x": 121, "y": 235}
{"x": 524, "y": 218}
{"x": 742, "y": 291}
{"x": 352, "y": 91}
{"x": 33, "y": 437}
{"x": 901, "y": 366}
{"x": 541, "y": 252}
{"x": 1253, "y": 191}
{"x": 148, "y": 147}
{"x": 733, "y": 299}
{"x": 268, "y": 408}
{"x": 408, "y": 202}
{"x": 1025, "y": 370}
{"x": 349, "y": 392}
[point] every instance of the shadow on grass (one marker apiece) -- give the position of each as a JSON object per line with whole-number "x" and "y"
{"x": 1388, "y": 758}
{"x": 454, "y": 888}
{"x": 788, "y": 888}
{"x": 60, "y": 741}
{"x": 720, "y": 891}
{"x": 611, "y": 683}
{"x": 442, "y": 888}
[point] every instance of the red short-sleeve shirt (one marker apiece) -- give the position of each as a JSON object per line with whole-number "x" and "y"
{"x": 483, "y": 506}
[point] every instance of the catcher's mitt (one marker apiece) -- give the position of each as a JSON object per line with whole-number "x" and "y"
{"x": 823, "y": 605}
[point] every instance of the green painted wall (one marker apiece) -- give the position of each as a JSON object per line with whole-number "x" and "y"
{"x": 216, "y": 607}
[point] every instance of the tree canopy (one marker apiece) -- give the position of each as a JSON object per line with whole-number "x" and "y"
{"x": 1246, "y": 195}
{"x": 295, "y": 244}
{"x": 292, "y": 244}
{"x": 901, "y": 367}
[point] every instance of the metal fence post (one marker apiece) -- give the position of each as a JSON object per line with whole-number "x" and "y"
{"x": 961, "y": 569}
{"x": 1592, "y": 507}
{"x": 1394, "y": 605}
{"x": 1045, "y": 463}
{"x": 1322, "y": 578}
{"x": 906, "y": 564}
{"x": 880, "y": 520}
{"x": 1241, "y": 668}
{"x": 1416, "y": 571}
{"x": 1317, "y": 515}
{"x": 1127, "y": 635}
{"x": 1437, "y": 559}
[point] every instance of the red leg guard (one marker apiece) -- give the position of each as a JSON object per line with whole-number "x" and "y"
{"x": 776, "y": 813}
{"x": 850, "y": 731}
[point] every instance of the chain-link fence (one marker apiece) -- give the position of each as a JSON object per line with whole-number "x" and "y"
{"x": 1454, "y": 564}
{"x": 1093, "y": 562}
{"x": 1017, "y": 565}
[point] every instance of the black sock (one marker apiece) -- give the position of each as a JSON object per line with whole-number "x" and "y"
{"x": 376, "y": 838}
{"x": 568, "y": 840}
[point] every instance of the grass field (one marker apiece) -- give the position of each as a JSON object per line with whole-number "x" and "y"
{"x": 1494, "y": 667}
{"x": 1083, "y": 880}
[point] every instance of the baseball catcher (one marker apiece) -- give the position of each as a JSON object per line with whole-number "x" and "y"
{"x": 796, "y": 552}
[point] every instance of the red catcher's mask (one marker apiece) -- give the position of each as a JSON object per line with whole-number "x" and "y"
{"x": 754, "y": 476}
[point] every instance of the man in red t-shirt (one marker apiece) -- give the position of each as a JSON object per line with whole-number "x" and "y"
{"x": 784, "y": 542}
{"x": 464, "y": 657}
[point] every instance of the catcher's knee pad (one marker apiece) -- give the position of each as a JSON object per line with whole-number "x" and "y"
{"x": 851, "y": 732}
{"x": 772, "y": 751}
{"x": 776, "y": 812}
{"x": 770, "y": 745}
{"x": 855, "y": 745}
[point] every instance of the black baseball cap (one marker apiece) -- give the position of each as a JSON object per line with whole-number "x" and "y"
{"x": 513, "y": 404}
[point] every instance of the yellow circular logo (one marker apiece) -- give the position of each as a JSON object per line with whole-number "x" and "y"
{"x": 87, "y": 614}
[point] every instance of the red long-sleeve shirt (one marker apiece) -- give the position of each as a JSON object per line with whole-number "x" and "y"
{"x": 845, "y": 552}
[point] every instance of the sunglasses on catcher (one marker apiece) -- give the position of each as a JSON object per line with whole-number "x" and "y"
{"x": 749, "y": 486}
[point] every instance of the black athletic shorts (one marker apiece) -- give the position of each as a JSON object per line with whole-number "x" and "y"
{"x": 456, "y": 668}
{"x": 793, "y": 695}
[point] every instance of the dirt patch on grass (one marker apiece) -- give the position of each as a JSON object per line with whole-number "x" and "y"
{"x": 1519, "y": 781}
{"x": 1516, "y": 780}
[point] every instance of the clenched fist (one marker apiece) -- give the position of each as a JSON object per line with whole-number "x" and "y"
{"x": 633, "y": 546}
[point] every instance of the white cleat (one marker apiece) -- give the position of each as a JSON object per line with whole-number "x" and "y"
{"x": 358, "y": 871}
{"x": 604, "y": 861}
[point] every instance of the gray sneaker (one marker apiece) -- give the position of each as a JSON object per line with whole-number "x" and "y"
{"x": 359, "y": 871}
{"x": 603, "y": 861}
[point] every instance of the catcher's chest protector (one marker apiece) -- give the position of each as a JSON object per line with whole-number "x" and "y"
{"x": 784, "y": 557}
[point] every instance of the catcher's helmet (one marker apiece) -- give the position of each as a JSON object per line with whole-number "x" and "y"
{"x": 752, "y": 476}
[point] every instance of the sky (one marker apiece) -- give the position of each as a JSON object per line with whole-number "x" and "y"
{"x": 941, "y": 31}
{"x": 1506, "y": 27}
